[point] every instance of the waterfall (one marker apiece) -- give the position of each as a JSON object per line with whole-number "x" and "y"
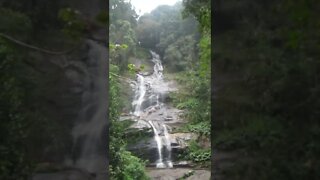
{"x": 168, "y": 145}
{"x": 89, "y": 130}
{"x": 148, "y": 89}
{"x": 140, "y": 93}
{"x": 159, "y": 145}
{"x": 158, "y": 100}
{"x": 157, "y": 68}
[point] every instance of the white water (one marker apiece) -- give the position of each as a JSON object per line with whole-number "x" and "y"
{"x": 148, "y": 90}
{"x": 89, "y": 129}
{"x": 159, "y": 144}
{"x": 168, "y": 145}
{"x": 140, "y": 93}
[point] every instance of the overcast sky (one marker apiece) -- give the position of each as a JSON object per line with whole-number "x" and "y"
{"x": 147, "y": 6}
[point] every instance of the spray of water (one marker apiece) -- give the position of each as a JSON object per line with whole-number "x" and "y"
{"x": 159, "y": 145}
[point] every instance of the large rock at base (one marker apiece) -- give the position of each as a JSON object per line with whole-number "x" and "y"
{"x": 173, "y": 174}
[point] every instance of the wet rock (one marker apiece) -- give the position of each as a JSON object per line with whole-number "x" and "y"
{"x": 182, "y": 138}
{"x": 174, "y": 144}
{"x": 166, "y": 177}
{"x": 168, "y": 174}
{"x": 153, "y": 109}
{"x": 168, "y": 118}
{"x": 181, "y": 164}
{"x": 147, "y": 73}
{"x": 145, "y": 149}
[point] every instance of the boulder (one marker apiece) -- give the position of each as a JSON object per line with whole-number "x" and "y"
{"x": 168, "y": 118}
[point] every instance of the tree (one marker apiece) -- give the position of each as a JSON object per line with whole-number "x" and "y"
{"x": 269, "y": 88}
{"x": 172, "y": 37}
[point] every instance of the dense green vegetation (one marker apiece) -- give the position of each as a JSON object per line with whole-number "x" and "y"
{"x": 20, "y": 117}
{"x": 33, "y": 129}
{"x": 195, "y": 97}
{"x": 31, "y": 133}
{"x": 14, "y": 163}
{"x": 184, "y": 47}
{"x": 173, "y": 37}
{"x": 122, "y": 164}
{"x": 267, "y": 100}
{"x": 266, "y": 70}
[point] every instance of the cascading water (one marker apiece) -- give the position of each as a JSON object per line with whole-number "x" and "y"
{"x": 159, "y": 144}
{"x": 168, "y": 145}
{"x": 88, "y": 131}
{"x": 153, "y": 86}
{"x": 140, "y": 93}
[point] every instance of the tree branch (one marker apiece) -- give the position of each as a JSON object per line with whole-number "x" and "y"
{"x": 121, "y": 77}
{"x": 34, "y": 47}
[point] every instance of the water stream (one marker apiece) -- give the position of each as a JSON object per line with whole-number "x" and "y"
{"x": 168, "y": 145}
{"x": 148, "y": 98}
{"x": 140, "y": 93}
{"x": 159, "y": 144}
{"x": 89, "y": 130}
{"x": 87, "y": 69}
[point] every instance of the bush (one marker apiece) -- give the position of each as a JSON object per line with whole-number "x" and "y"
{"x": 133, "y": 167}
{"x": 202, "y": 128}
{"x": 123, "y": 165}
{"x": 74, "y": 26}
{"x": 15, "y": 23}
{"x": 197, "y": 154}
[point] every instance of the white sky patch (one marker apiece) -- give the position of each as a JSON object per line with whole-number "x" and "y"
{"x": 146, "y": 6}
